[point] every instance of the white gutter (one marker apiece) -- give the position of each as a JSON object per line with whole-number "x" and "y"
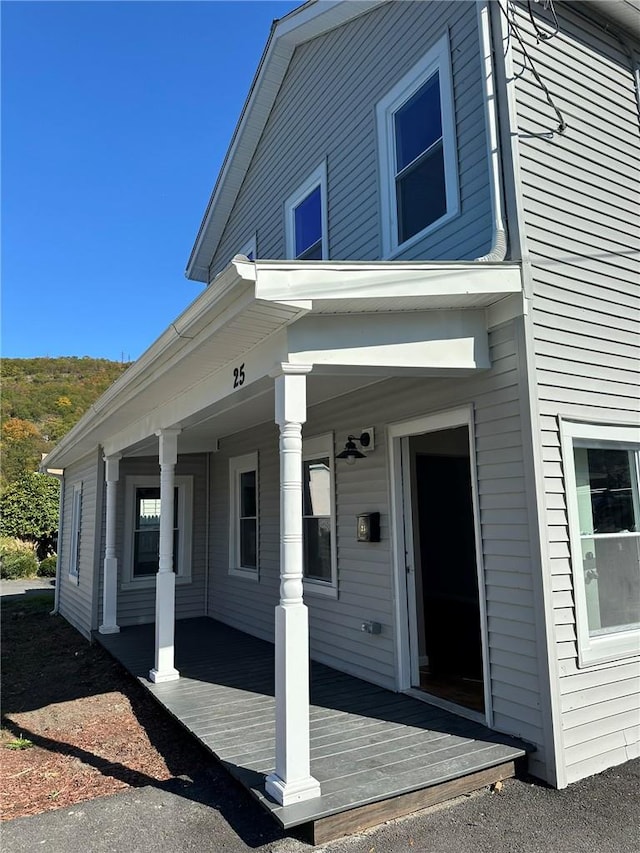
{"x": 498, "y": 249}
{"x": 56, "y": 596}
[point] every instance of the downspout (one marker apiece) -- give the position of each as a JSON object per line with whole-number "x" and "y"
{"x": 498, "y": 249}
{"x": 56, "y": 595}
{"x": 207, "y": 539}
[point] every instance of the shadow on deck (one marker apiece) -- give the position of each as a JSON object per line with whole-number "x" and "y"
{"x": 368, "y": 745}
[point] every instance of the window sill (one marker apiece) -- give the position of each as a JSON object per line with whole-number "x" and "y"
{"x": 392, "y": 252}
{"x": 323, "y": 590}
{"x": 75, "y": 579}
{"x": 150, "y": 581}
{"x": 609, "y": 651}
{"x": 247, "y": 574}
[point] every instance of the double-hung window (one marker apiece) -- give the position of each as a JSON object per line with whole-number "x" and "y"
{"x": 243, "y": 520}
{"x": 318, "y": 515}
{"x": 142, "y": 529}
{"x": 306, "y": 219}
{"x": 602, "y": 476}
{"x": 418, "y": 160}
{"x": 76, "y": 526}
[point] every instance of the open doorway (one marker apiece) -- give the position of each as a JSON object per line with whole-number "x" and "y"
{"x": 442, "y": 590}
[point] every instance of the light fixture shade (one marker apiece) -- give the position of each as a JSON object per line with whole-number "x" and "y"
{"x": 350, "y": 452}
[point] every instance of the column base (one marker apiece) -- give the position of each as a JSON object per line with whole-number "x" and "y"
{"x": 287, "y": 793}
{"x": 167, "y": 675}
{"x": 109, "y": 629}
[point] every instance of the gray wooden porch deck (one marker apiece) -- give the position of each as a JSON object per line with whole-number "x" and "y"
{"x": 367, "y": 744}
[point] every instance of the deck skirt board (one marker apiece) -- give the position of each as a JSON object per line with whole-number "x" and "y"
{"x": 368, "y": 745}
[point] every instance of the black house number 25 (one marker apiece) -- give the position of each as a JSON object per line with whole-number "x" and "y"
{"x": 238, "y": 376}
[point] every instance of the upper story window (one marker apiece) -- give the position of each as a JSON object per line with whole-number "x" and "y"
{"x": 243, "y": 515}
{"x": 142, "y": 529}
{"x": 249, "y": 249}
{"x": 418, "y": 158}
{"x": 602, "y": 477}
{"x": 318, "y": 516}
{"x": 306, "y": 219}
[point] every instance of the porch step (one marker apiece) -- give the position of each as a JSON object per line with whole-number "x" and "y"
{"x": 356, "y": 820}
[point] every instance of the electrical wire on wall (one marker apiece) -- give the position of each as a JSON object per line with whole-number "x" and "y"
{"x": 540, "y": 33}
{"x": 541, "y": 36}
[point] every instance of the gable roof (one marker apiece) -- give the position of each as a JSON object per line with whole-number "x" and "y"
{"x": 309, "y": 21}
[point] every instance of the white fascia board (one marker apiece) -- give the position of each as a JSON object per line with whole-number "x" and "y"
{"x": 378, "y": 280}
{"x": 303, "y": 24}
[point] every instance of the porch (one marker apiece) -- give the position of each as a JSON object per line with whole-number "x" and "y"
{"x": 376, "y": 754}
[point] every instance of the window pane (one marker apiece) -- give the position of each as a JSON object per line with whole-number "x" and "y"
{"x": 418, "y": 123}
{"x": 605, "y": 494}
{"x": 248, "y": 494}
{"x": 145, "y": 552}
{"x": 308, "y": 222}
{"x": 146, "y": 537}
{"x": 317, "y": 548}
{"x": 316, "y": 487}
{"x": 248, "y": 543}
{"x": 612, "y": 582}
{"x": 421, "y": 195}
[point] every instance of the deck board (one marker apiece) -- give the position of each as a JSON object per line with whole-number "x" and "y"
{"x": 367, "y": 744}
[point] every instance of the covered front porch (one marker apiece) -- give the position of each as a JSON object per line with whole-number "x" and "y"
{"x": 376, "y": 754}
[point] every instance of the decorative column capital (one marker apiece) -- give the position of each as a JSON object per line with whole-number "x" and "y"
{"x": 112, "y": 467}
{"x": 291, "y": 393}
{"x": 168, "y": 439}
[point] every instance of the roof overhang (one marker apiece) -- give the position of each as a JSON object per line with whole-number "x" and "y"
{"x": 247, "y": 317}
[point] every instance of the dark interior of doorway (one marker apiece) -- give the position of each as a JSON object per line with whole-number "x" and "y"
{"x": 447, "y": 589}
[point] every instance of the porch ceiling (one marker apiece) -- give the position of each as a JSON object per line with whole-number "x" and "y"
{"x": 215, "y": 360}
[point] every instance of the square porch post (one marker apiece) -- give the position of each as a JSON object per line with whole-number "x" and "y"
{"x": 291, "y": 782}
{"x": 164, "y": 669}
{"x": 110, "y": 582}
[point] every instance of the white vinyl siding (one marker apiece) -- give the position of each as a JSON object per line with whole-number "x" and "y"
{"x": 77, "y": 548}
{"x": 581, "y": 197}
{"x": 325, "y": 112}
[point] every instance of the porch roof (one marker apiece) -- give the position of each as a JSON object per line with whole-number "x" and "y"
{"x": 243, "y": 317}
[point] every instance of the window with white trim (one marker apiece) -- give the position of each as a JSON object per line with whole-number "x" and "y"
{"x": 243, "y": 519}
{"x": 318, "y": 515}
{"x": 417, "y": 147}
{"x": 306, "y": 219}
{"x": 602, "y": 477}
{"x": 76, "y": 525}
{"x": 142, "y": 529}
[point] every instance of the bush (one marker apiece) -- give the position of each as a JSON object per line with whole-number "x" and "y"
{"x": 47, "y": 567}
{"x": 29, "y": 510}
{"x": 17, "y": 558}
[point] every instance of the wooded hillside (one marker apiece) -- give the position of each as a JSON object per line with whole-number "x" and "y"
{"x": 42, "y": 398}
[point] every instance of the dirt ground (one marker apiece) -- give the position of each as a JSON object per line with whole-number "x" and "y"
{"x": 75, "y": 725}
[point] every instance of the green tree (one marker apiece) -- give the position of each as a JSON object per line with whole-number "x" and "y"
{"x": 29, "y": 511}
{"x": 22, "y": 446}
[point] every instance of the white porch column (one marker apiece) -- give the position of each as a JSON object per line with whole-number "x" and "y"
{"x": 110, "y": 582}
{"x": 164, "y": 669}
{"x": 292, "y": 781}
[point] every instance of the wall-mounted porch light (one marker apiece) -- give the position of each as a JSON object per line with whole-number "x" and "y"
{"x": 351, "y": 452}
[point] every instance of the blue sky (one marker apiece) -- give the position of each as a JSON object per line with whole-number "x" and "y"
{"x": 115, "y": 119}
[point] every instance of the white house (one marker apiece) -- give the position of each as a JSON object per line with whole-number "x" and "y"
{"x": 423, "y": 243}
